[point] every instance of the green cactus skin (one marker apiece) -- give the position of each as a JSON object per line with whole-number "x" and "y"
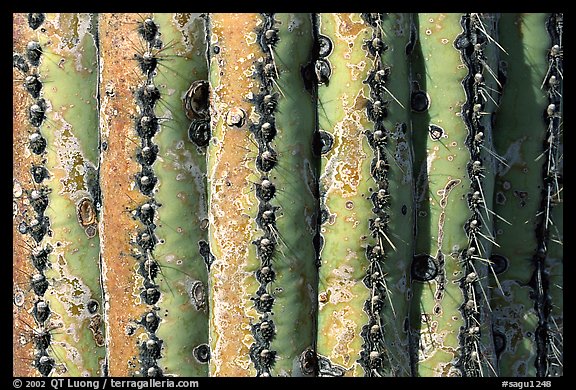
{"x": 516, "y": 198}
{"x": 346, "y": 187}
{"x": 182, "y": 216}
{"x": 295, "y": 178}
{"x": 236, "y": 58}
{"x": 68, "y": 68}
{"x": 442, "y": 185}
{"x": 72, "y": 129}
{"x": 440, "y": 181}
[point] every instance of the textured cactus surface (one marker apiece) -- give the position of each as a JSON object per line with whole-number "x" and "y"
{"x": 288, "y": 194}
{"x": 263, "y": 278}
{"x": 367, "y": 173}
{"x": 62, "y": 197}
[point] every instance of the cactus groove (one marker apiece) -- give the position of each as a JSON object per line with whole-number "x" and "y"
{"x": 288, "y": 194}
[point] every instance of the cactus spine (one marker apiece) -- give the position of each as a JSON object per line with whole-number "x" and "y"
{"x": 70, "y": 334}
{"x": 365, "y": 127}
{"x": 157, "y": 280}
{"x": 451, "y": 328}
{"x": 262, "y": 208}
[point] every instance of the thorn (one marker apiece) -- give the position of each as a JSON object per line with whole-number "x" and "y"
{"x": 393, "y": 97}
{"x": 482, "y": 193}
{"x": 483, "y": 28}
{"x": 482, "y": 289}
{"x": 496, "y": 215}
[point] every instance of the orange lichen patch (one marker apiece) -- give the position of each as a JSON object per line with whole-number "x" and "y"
{"x": 232, "y": 156}
{"x": 348, "y": 25}
{"x": 118, "y": 167}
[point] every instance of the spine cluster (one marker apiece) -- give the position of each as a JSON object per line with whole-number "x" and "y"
{"x": 552, "y": 187}
{"x": 146, "y": 126}
{"x": 38, "y": 225}
{"x": 374, "y": 355}
{"x": 472, "y": 44}
{"x": 265, "y": 105}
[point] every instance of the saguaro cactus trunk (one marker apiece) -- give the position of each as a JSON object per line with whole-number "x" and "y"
{"x": 288, "y": 194}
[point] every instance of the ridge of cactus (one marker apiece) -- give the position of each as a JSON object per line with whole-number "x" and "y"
{"x": 550, "y": 195}
{"x": 295, "y": 198}
{"x": 448, "y": 294}
{"x": 261, "y": 190}
{"x": 31, "y": 337}
{"x": 364, "y": 125}
{"x": 65, "y": 195}
{"x": 480, "y": 51}
{"x": 182, "y": 216}
{"x": 130, "y": 290}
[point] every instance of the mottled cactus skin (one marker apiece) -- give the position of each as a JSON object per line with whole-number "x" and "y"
{"x": 68, "y": 71}
{"x": 347, "y": 187}
{"x": 165, "y": 280}
{"x": 443, "y": 149}
{"x": 182, "y": 216}
{"x": 252, "y": 56}
{"x": 242, "y": 194}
